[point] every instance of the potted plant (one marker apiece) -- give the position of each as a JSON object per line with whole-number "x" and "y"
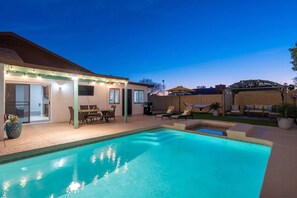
{"x": 215, "y": 108}
{"x": 286, "y": 112}
{"x": 13, "y": 127}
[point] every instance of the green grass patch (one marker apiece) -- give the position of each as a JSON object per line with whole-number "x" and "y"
{"x": 258, "y": 121}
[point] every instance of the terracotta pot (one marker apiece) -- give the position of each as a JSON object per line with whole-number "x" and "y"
{"x": 285, "y": 123}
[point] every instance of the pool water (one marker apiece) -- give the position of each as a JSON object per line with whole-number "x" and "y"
{"x": 155, "y": 163}
{"x": 210, "y": 130}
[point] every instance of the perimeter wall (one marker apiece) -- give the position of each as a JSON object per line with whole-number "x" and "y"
{"x": 161, "y": 103}
{"x": 267, "y": 97}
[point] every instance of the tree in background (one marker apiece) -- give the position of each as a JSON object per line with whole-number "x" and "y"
{"x": 294, "y": 57}
{"x": 294, "y": 60}
{"x": 155, "y": 89}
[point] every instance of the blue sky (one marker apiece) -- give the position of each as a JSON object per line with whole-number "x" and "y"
{"x": 184, "y": 42}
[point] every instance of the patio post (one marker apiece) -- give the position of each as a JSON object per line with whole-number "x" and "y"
{"x": 75, "y": 101}
{"x": 2, "y": 94}
{"x": 126, "y": 103}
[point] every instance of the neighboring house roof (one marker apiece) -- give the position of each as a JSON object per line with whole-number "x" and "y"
{"x": 255, "y": 85}
{"x": 206, "y": 91}
{"x": 16, "y": 50}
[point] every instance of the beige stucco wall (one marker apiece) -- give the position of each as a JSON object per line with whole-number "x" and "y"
{"x": 137, "y": 109}
{"x": 2, "y": 111}
{"x": 60, "y": 99}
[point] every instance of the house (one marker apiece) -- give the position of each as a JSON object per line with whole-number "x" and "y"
{"x": 39, "y": 85}
{"x": 218, "y": 89}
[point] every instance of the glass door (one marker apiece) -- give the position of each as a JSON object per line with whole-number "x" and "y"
{"x": 39, "y": 103}
{"x": 17, "y": 101}
{"x": 29, "y": 102}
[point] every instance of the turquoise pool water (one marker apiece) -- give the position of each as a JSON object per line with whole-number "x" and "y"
{"x": 156, "y": 163}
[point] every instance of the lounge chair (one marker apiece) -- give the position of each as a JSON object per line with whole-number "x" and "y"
{"x": 235, "y": 110}
{"x": 168, "y": 113}
{"x": 187, "y": 112}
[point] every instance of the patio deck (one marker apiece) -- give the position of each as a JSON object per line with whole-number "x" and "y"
{"x": 281, "y": 174}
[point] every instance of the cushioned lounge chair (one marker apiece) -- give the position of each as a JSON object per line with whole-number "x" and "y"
{"x": 185, "y": 114}
{"x": 168, "y": 113}
{"x": 235, "y": 110}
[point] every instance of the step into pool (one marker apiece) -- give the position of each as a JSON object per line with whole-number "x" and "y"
{"x": 155, "y": 163}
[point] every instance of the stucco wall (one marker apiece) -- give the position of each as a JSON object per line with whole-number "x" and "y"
{"x": 60, "y": 99}
{"x": 138, "y": 108}
{"x": 2, "y": 111}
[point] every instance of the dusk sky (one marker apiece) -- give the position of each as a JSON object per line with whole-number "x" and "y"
{"x": 184, "y": 42}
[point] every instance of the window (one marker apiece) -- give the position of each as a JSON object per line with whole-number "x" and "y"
{"x": 114, "y": 96}
{"x": 138, "y": 96}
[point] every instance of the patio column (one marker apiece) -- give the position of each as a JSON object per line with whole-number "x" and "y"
{"x": 126, "y": 103}
{"x": 2, "y": 94}
{"x": 75, "y": 101}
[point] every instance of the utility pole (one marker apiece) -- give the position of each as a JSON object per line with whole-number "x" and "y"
{"x": 163, "y": 81}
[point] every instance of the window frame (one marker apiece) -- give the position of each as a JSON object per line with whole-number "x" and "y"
{"x": 114, "y": 96}
{"x": 138, "y": 102}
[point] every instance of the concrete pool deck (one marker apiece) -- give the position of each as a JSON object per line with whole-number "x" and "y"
{"x": 281, "y": 174}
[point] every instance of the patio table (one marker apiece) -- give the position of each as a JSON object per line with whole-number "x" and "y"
{"x": 91, "y": 114}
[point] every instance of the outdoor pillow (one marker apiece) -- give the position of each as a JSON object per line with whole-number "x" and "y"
{"x": 268, "y": 108}
{"x": 235, "y": 107}
{"x": 249, "y": 107}
{"x": 259, "y": 107}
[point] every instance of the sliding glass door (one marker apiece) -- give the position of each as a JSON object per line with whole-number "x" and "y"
{"x": 39, "y": 103}
{"x": 17, "y": 101}
{"x": 29, "y": 102}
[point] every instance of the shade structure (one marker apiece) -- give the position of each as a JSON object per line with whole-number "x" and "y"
{"x": 179, "y": 90}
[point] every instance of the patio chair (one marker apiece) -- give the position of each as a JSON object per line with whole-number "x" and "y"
{"x": 235, "y": 110}
{"x": 187, "y": 112}
{"x": 111, "y": 114}
{"x": 81, "y": 116}
{"x": 168, "y": 113}
{"x": 84, "y": 107}
{"x": 92, "y": 106}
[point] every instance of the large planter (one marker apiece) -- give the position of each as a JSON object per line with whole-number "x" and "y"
{"x": 13, "y": 129}
{"x": 215, "y": 113}
{"x": 285, "y": 123}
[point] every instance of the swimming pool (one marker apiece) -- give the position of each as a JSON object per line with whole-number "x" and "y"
{"x": 156, "y": 163}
